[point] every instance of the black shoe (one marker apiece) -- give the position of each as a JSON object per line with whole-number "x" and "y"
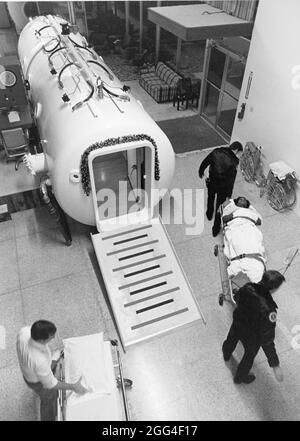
{"x": 247, "y": 380}
{"x": 215, "y": 231}
{"x": 225, "y": 356}
{"x": 209, "y": 215}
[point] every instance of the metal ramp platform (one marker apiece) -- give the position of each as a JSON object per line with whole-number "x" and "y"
{"x": 148, "y": 290}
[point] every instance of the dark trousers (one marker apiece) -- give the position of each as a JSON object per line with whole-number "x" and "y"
{"x": 220, "y": 193}
{"x": 48, "y": 397}
{"x": 251, "y": 349}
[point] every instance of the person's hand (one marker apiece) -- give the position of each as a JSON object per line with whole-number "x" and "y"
{"x": 79, "y": 388}
{"x": 278, "y": 373}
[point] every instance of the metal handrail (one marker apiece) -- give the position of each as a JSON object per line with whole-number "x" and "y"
{"x": 82, "y": 47}
{"x": 79, "y": 104}
{"x": 62, "y": 70}
{"x": 42, "y": 28}
{"x": 54, "y": 52}
{"x": 111, "y": 77}
{"x": 124, "y": 396}
{"x": 55, "y": 47}
{"x": 62, "y": 396}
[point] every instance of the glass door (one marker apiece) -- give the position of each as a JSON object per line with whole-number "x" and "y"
{"x": 222, "y": 83}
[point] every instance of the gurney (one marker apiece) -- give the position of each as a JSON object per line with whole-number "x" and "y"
{"x": 242, "y": 255}
{"x": 90, "y": 358}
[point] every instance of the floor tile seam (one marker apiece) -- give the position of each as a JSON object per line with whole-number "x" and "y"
{"x": 169, "y": 401}
{"x": 19, "y": 276}
{"x": 75, "y": 240}
{"x": 280, "y": 215}
{"x": 189, "y": 239}
{"x": 279, "y": 352}
{"x": 285, "y": 248}
{"x": 77, "y": 273}
{"x": 269, "y": 215}
{"x": 9, "y": 292}
{"x": 13, "y": 238}
{"x": 216, "y": 294}
{"x": 21, "y": 296}
{"x": 296, "y": 245}
{"x": 27, "y": 234}
{"x": 5, "y": 240}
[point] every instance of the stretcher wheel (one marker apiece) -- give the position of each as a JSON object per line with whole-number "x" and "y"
{"x": 216, "y": 250}
{"x": 221, "y": 299}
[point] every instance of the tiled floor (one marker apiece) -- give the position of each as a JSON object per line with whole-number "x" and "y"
{"x": 176, "y": 376}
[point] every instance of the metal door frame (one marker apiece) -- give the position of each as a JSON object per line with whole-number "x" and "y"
{"x": 146, "y": 214}
{"x": 229, "y": 54}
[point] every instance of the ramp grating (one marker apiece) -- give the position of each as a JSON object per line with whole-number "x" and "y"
{"x": 149, "y": 293}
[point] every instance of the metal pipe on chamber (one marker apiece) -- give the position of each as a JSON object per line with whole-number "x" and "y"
{"x": 92, "y": 108}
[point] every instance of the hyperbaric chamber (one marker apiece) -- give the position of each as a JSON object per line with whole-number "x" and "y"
{"x": 94, "y": 133}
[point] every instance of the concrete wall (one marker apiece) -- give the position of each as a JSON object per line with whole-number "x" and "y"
{"x": 272, "y": 116}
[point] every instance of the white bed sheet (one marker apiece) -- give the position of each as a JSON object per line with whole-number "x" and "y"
{"x": 91, "y": 358}
{"x": 242, "y": 236}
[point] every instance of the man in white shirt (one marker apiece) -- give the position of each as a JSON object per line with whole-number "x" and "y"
{"x": 35, "y": 361}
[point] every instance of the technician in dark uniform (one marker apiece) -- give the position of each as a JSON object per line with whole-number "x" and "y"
{"x": 222, "y": 162}
{"x": 254, "y": 321}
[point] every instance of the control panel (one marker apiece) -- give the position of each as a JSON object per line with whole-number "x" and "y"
{"x": 12, "y": 89}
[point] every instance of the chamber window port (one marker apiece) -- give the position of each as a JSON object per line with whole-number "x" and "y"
{"x": 75, "y": 176}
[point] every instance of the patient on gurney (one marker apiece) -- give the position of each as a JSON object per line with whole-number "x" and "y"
{"x": 243, "y": 240}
